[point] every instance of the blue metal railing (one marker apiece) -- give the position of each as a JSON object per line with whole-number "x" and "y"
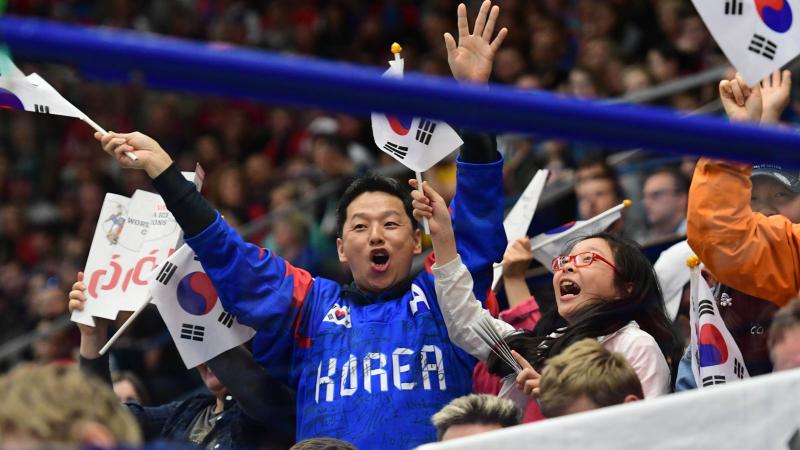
{"x": 274, "y": 78}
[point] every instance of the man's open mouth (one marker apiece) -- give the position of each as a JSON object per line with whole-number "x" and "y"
{"x": 379, "y": 259}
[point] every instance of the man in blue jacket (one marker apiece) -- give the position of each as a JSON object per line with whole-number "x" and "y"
{"x": 371, "y": 361}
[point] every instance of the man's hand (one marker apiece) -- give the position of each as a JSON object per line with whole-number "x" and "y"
{"x": 430, "y": 205}
{"x": 775, "y": 94}
{"x": 742, "y": 104}
{"x": 471, "y": 60}
{"x": 151, "y": 157}
{"x": 517, "y": 258}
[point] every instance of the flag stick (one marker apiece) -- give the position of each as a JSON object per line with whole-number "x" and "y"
{"x": 625, "y": 203}
{"x": 125, "y": 326}
{"x": 424, "y": 219}
{"x": 396, "y": 49}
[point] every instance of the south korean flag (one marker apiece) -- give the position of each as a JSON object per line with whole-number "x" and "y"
{"x": 757, "y": 36}
{"x": 189, "y": 305}
{"x": 415, "y": 142}
{"x": 716, "y": 358}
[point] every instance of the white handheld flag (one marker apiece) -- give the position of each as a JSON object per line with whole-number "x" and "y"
{"x": 550, "y": 244}
{"x": 757, "y": 36}
{"x": 415, "y": 142}
{"x": 34, "y": 94}
{"x": 519, "y": 218}
{"x": 716, "y": 359}
{"x": 189, "y": 305}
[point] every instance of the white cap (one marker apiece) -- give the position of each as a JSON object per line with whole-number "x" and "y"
{"x": 673, "y": 274}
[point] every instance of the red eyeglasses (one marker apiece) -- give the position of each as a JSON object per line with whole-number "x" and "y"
{"x": 582, "y": 259}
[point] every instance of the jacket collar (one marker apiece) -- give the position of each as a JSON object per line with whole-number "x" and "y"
{"x": 360, "y": 297}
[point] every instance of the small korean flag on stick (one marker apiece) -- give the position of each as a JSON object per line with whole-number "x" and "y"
{"x": 549, "y": 244}
{"x": 757, "y": 36}
{"x": 34, "y": 94}
{"x": 189, "y": 305}
{"x": 716, "y": 359}
{"x": 415, "y": 142}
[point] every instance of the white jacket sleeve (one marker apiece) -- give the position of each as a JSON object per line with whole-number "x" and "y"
{"x": 461, "y": 310}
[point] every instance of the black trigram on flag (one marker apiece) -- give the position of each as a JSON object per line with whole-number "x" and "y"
{"x": 713, "y": 379}
{"x": 738, "y": 368}
{"x": 733, "y": 7}
{"x": 705, "y": 307}
{"x": 166, "y": 272}
{"x": 225, "y": 319}
{"x": 192, "y": 332}
{"x": 195, "y": 257}
{"x": 42, "y": 109}
{"x": 397, "y": 150}
{"x": 425, "y": 131}
{"x": 763, "y": 46}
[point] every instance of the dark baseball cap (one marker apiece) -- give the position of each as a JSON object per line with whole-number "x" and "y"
{"x": 788, "y": 178}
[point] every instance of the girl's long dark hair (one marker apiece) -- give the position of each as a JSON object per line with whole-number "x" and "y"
{"x": 644, "y": 304}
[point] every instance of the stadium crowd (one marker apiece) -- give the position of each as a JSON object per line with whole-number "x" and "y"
{"x": 261, "y": 160}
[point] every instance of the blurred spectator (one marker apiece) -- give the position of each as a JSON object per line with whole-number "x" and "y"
{"x": 129, "y": 388}
{"x": 665, "y": 196}
{"x": 635, "y": 78}
{"x": 663, "y": 64}
{"x": 227, "y": 192}
{"x": 784, "y": 337}
{"x": 323, "y": 444}
{"x": 474, "y": 414}
{"x": 69, "y": 410}
{"x": 597, "y": 189}
{"x": 291, "y": 238}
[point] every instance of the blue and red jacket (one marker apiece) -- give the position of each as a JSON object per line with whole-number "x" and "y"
{"x": 368, "y": 369}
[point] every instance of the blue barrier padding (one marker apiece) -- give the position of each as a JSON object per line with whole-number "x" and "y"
{"x": 171, "y": 63}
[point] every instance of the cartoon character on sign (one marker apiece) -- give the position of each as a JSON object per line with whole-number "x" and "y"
{"x": 117, "y": 223}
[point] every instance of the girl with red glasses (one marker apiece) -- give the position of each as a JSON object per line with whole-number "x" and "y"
{"x": 605, "y": 289}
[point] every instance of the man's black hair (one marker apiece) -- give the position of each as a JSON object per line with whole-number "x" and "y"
{"x": 372, "y": 183}
{"x": 682, "y": 183}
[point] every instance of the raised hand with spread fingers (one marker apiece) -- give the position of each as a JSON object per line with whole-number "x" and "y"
{"x": 472, "y": 58}
{"x": 775, "y": 94}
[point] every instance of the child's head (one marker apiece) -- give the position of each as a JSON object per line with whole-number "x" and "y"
{"x": 604, "y": 268}
{"x": 378, "y": 234}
